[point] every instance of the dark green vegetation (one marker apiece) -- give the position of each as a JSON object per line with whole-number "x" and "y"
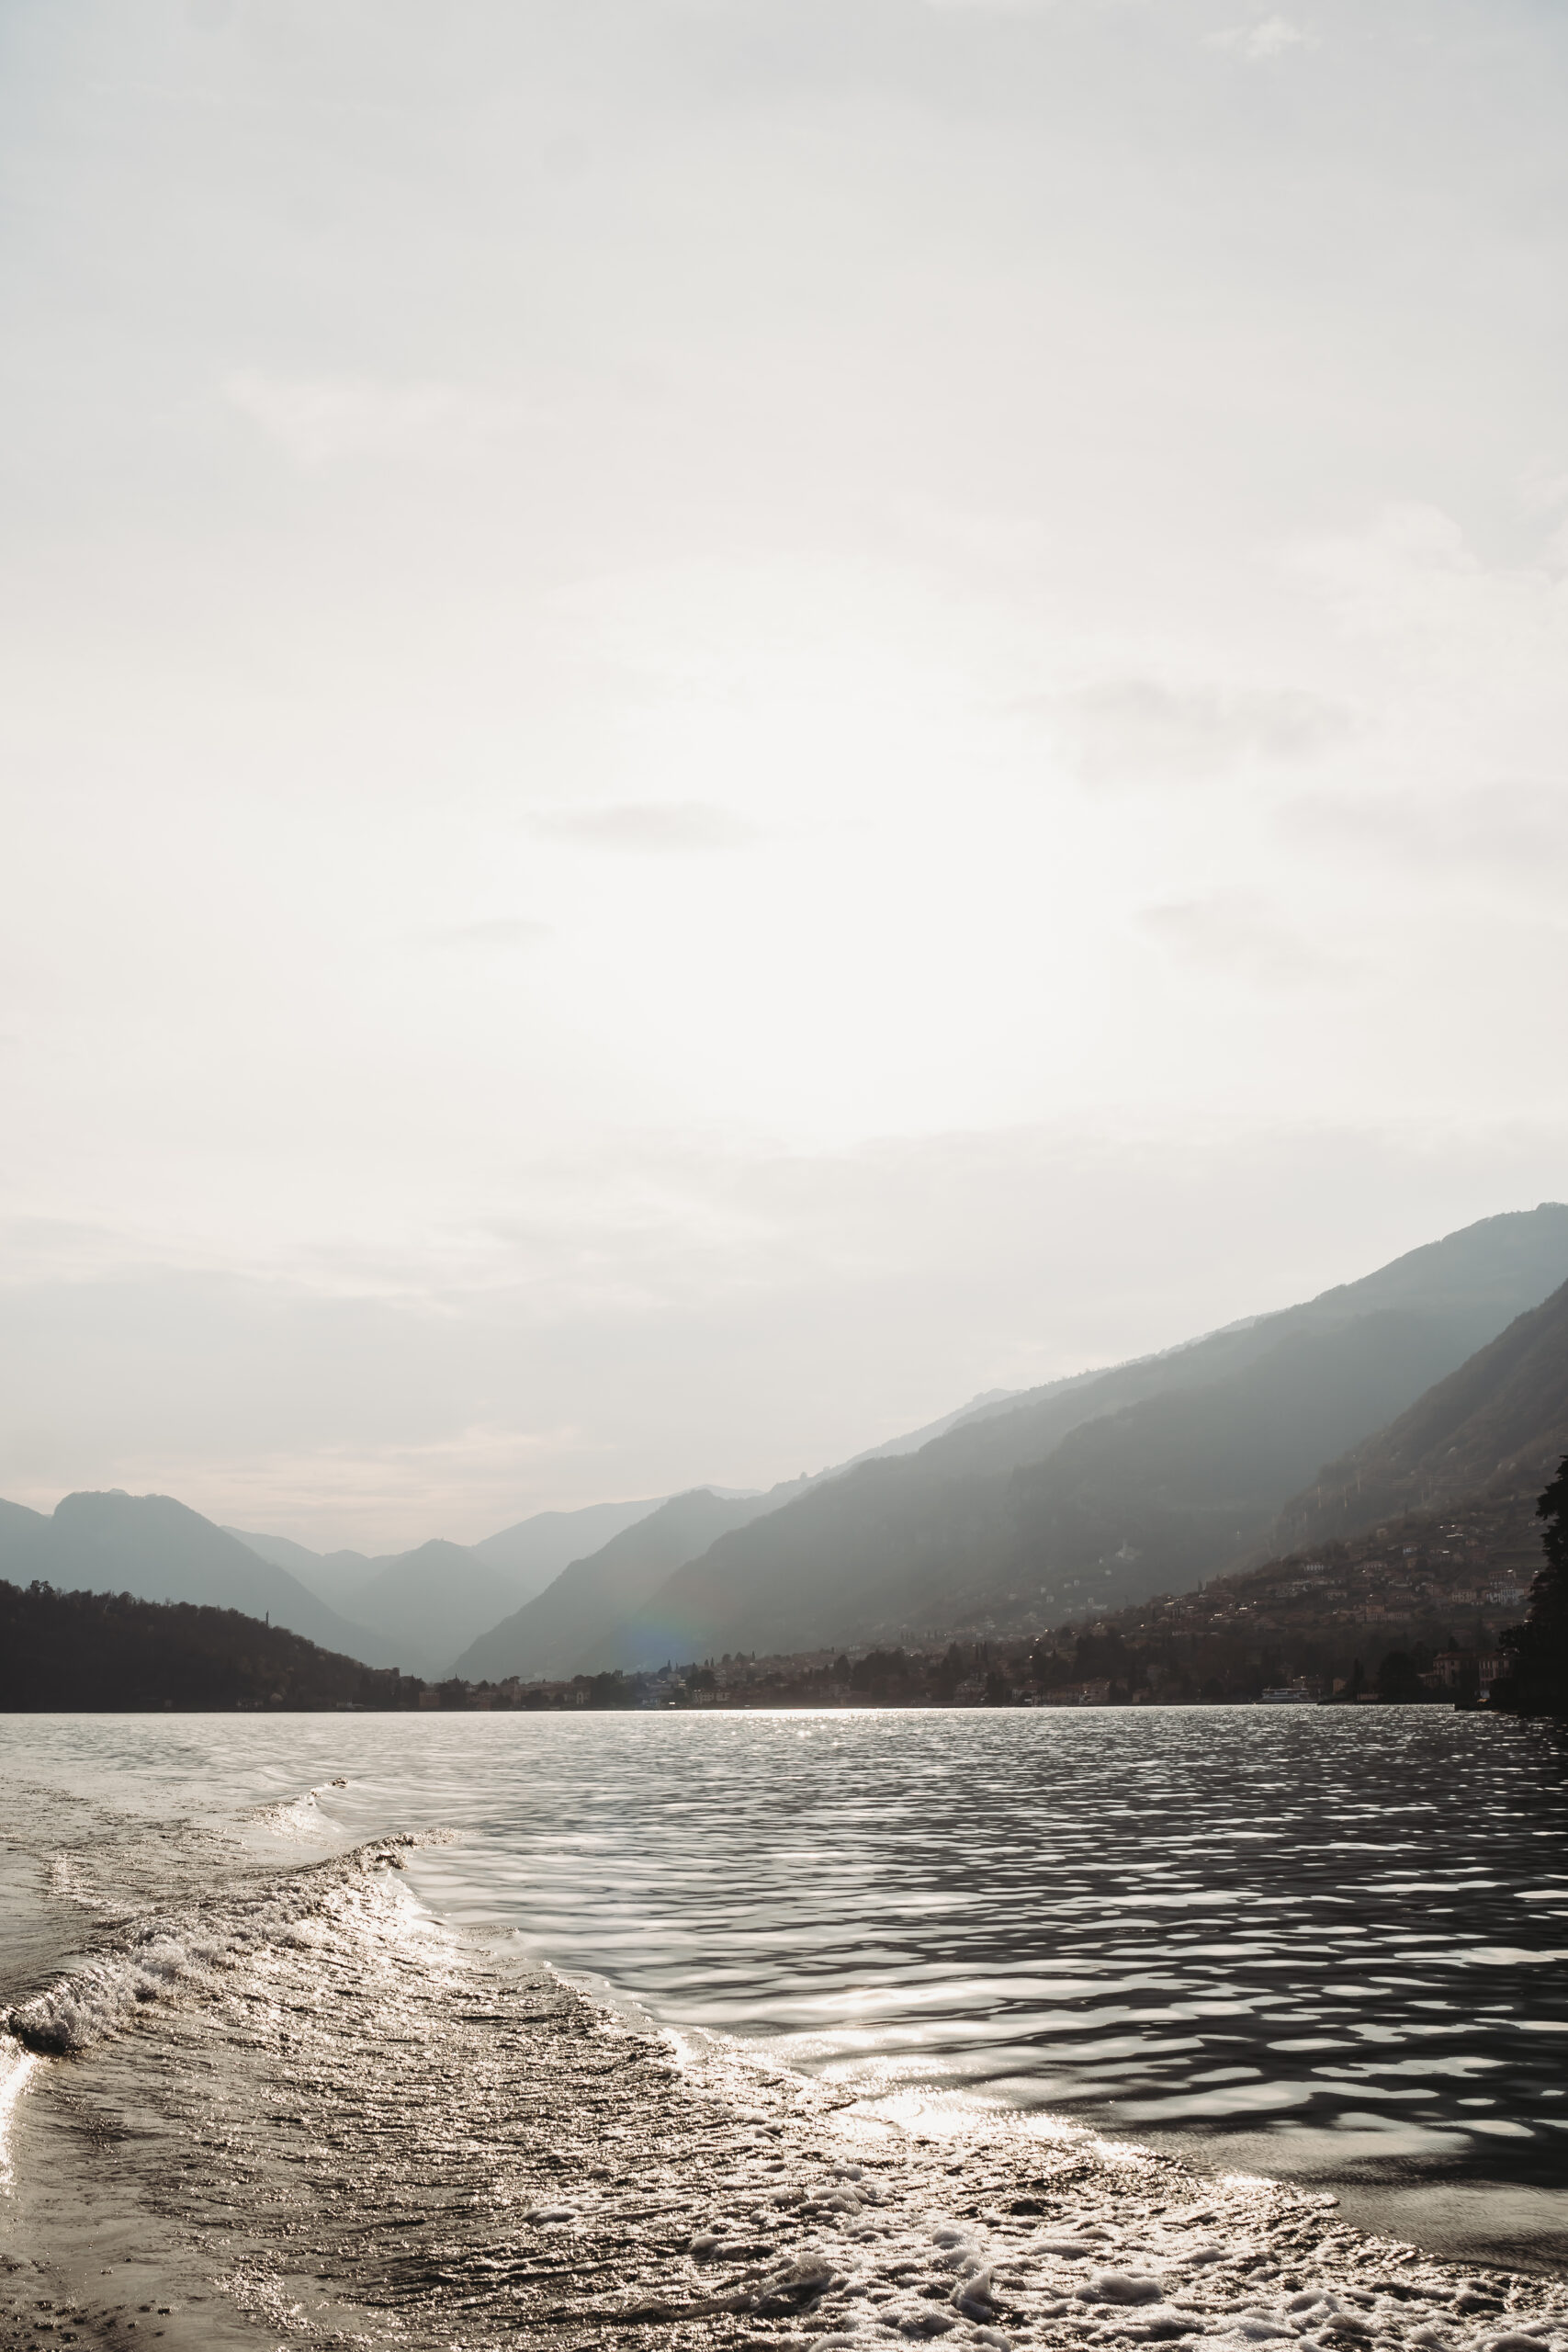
{"x": 412, "y": 1609}
{"x": 75, "y": 1651}
{"x": 153, "y": 1547}
{"x": 89, "y": 1651}
{"x": 1412, "y": 1611}
{"x": 1536, "y": 1676}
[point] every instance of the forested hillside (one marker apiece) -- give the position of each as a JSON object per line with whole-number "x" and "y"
{"x": 74, "y": 1651}
{"x": 158, "y": 1549}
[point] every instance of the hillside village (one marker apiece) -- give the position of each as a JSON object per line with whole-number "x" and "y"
{"x": 1433, "y": 1592}
{"x": 1410, "y": 1612}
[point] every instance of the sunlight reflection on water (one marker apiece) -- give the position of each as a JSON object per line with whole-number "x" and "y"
{"x": 1336, "y": 1936}
{"x": 1323, "y": 1942}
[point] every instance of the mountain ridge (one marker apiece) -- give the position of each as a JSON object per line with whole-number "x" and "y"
{"x": 1080, "y": 1493}
{"x": 1499, "y": 1422}
{"x": 548, "y": 1636}
{"x": 156, "y": 1549}
{"x": 975, "y": 1515}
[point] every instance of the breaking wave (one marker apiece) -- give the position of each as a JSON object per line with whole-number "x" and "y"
{"x": 292, "y": 1817}
{"x": 161, "y": 1958}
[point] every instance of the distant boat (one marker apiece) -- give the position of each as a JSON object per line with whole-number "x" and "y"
{"x": 1295, "y": 1694}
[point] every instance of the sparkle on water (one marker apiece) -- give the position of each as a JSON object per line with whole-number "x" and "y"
{"x": 1325, "y": 1943}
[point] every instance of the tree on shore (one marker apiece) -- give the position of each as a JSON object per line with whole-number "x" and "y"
{"x": 1399, "y": 1678}
{"x": 74, "y": 1652}
{"x": 1536, "y": 1683}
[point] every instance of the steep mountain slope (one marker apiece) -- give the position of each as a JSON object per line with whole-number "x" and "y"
{"x": 471, "y": 1586}
{"x": 155, "y": 1549}
{"x": 1140, "y": 1480}
{"x": 598, "y": 1589}
{"x": 336, "y": 1578}
{"x": 533, "y": 1553}
{"x": 1500, "y": 1422}
{"x": 433, "y": 1601}
{"x": 979, "y": 1408}
{"x": 550, "y": 1634}
{"x": 1425, "y": 1533}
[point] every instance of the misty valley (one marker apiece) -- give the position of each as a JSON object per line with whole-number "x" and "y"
{"x": 1281, "y": 1505}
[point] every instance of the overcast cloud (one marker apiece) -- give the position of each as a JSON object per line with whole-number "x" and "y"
{"x": 721, "y": 717}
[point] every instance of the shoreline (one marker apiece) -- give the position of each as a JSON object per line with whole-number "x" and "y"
{"x": 339, "y": 2121}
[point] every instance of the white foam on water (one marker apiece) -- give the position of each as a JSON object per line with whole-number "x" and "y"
{"x": 17, "y": 2067}
{"x": 102, "y": 1996}
{"x": 192, "y": 1951}
{"x": 569, "y": 1829}
{"x": 934, "y": 2114}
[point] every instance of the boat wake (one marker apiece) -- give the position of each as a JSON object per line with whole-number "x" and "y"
{"x": 189, "y": 1951}
{"x": 287, "y": 2095}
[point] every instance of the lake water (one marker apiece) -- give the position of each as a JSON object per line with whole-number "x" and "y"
{"x": 1323, "y": 1944}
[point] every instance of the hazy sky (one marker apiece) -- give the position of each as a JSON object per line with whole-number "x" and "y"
{"x": 722, "y": 717}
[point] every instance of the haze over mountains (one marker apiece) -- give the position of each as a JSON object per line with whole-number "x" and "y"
{"x": 155, "y": 1549}
{"x": 558, "y": 1629}
{"x": 529, "y": 1556}
{"x": 1426, "y": 1537}
{"x": 427, "y": 1602}
{"x": 1498, "y": 1424}
{"x": 413, "y": 1611}
{"x": 1143, "y": 1480}
{"x": 1412, "y": 1383}
{"x": 567, "y": 1622}
{"x": 423, "y": 1606}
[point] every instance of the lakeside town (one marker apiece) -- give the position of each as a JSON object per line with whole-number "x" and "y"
{"x": 1410, "y": 1612}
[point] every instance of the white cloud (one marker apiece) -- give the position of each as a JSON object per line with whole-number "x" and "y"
{"x": 990, "y": 7}
{"x": 710, "y": 1316}
{"x": 321, "y": 421}
{"x": 870, "y": 372}
{"x": 1141, "y": 731}
{"x": 1237, "y": 937}
{"x": 1512, "y": 836}
{"x": 1274, "y": 37}
{"x": 500, "y": 931}
{"x": 645, "y": 825}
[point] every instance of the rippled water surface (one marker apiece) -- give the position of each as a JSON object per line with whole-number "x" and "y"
{"x": 1332, "y": 1942}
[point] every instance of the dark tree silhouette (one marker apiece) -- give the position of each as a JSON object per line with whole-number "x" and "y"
{"x": 1399, "y": 1678}
{"x": 1536, "y": 1683}
{"x": 87, "y": 1650}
